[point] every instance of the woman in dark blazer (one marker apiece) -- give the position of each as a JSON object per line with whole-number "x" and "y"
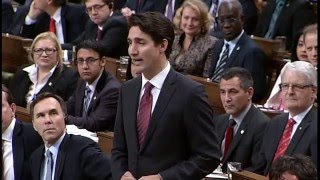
{"x": 47, "y": 74}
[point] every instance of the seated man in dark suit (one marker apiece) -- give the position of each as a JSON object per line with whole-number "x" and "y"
{"x": 106, "y": 27}
{"x": 240, "y": 130}
{"x": 284, "y": 18}
{"x": 237, "y": 49}
{"x": 19, "y": 140}
{"x": 294, "y": 132}
{"x": 66, "y": 20}
{"x": 93, "y": 105}
{"x": 7, "y": 14}
{"x": 164, "y": 127}
{"x": 63, "y": 156}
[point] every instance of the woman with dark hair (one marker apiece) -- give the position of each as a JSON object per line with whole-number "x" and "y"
{"x": 298, "y": 51}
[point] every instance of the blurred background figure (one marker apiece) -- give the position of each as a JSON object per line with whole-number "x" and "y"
{"x": 19, "y": 140}
{"x": 298, "y": 53}
{"x": 47, "y": 74}
{"x": 311, "y": 43}
{"x": 192, "y": 46}
{"x": 7, "y": 14}
{"x": 297, "y": 167}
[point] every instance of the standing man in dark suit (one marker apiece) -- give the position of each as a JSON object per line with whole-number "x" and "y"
{"x": 242, "y": 51}
{"x": 19, "y": 140}
{"x": 164, "y": 127}
{"x": 106, "y": 27}
{"x": 93, "y": 105}
{"x": 294, "y": 132}
{"x": 243, "y": 122}
{"x": 292, "y": 17}
{"x": 66, "y": 20}
{"x": 63, "y": 156}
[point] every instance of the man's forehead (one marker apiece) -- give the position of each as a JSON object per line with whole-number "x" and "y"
{"x": 47, "y": 105}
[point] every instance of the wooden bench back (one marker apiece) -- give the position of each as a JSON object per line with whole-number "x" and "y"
{"x": 213, "y": 92}
{"x": 14, "y": 52}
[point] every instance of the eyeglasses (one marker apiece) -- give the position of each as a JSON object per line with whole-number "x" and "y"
{"x": 285, "y": 87}
{"x": 226, "y": 20}
{"x": 89, "y": 61}
{"x": 48, "y": 51}
{"x": 96, "y": 7}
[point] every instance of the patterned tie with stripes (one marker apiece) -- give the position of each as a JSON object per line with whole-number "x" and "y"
{"x": 222, "y": 64}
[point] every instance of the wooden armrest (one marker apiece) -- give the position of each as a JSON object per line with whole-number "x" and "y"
{"x": 105, "y": 141}
{"x": 247, "y": 175}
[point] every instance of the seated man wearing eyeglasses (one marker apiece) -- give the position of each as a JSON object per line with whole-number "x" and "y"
{"x": 294, "y": 132}
{"x": 93, "y": 105}
{"x": 105, "y": 26}
{"x": 236, "y": 49}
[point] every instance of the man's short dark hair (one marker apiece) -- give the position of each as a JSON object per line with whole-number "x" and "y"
{"x": 93, "y": 45}
{"x": 298, "y": 165}
{"x": 8, "y": 93}
{"x": 47, "y": 95}
{"x": 156, "y": 25}
{"x": 59, "y": 2}
{"x": 243, "y": 74}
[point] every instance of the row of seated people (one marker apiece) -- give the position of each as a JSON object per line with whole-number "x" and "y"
{"x": 255, "y": 22}
{"x": 178, "y": 101}
{"x": 194, "y": 51}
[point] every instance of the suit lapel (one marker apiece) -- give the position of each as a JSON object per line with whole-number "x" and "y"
{"x": 63, "y": 22}
{"x": 215, "y": 56}
{"x": 18, "y": 150}
{"x": 51, "y": 81}
{"x": 278, "y": 134}
{"x": 38, "y": 162}
{"x": 100, "y": 85}
{"x": 241, "y": 131}
{"x": 302, "y": 128}
{"x": 62, "y": 153}
{"x": 235, "y": 51}
{"x": 130, "y": 102}
{"x": 165, "y": 95}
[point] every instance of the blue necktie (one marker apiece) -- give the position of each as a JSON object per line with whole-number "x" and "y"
{"x": 86, "y": 101}
{"x": 274, "y": 18}
{"x": 49, "y": 163}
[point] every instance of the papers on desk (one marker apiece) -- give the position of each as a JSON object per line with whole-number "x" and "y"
{"x": 217, "y": 174}
{"x": 72, "y": 129}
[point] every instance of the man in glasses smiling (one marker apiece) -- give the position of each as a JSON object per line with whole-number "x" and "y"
{"x": 294, "y": 132}
{"x": 93, "y": 105}
{"x": 107, "y": 27}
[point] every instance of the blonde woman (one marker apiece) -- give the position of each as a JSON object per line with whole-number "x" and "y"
{"x": 46, "y": 74}
{"x": 191, "y": 47}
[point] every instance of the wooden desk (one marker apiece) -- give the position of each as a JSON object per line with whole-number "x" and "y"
{"x": 112, "y": 66}
{"x": 247, "y": 175}
{"x": 105, "y": 141}
{"x": 14, "y": 53}
{"x": 23, "y": 114}
{"x": 213, "y": 92}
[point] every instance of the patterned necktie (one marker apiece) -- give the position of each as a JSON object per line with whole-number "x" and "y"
{"x": 222, "y": 64}
{"x": 228, "y": 137}
{"x": 98, "y": 34}
{"x": 49, "y": 163}
{"x": 169, "y": 10}
{"x": 52, "y": 26}
{"x": 86, "y": 101}
{"x": 144, "y": 114}
{"x": 275, "y": 15}
{"x": 285, "y": 139}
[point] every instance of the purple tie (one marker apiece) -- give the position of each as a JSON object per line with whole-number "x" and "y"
{"x": 144, "y": 113}
{"x": 98, "y": 34}
{"x": 169, "y": 10}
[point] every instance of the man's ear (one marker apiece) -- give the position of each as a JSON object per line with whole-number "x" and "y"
{"x": 164, "y": 45}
